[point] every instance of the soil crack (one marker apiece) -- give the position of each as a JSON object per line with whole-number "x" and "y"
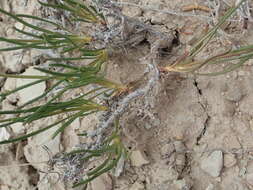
{"x": 197, "y": 87}
{"x": 203, "y": 131}
{"x": 208, "y": 117}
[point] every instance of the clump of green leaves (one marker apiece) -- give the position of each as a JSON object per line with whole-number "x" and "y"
{"x": 80, "y": 11}
{"x": 187, "y": 62}
{"x": 65, "y": 77}
{"x": 111, "y": 150}
{"x": 72, "y": 77}
{"x": 56, "y": 37}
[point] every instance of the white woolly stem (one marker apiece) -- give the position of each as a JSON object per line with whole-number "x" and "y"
{"x": 128, "y": 99}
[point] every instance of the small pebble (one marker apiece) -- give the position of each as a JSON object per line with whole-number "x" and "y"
{"x": 138, "y": 158}
{"x": 103, "y": 182}
{"x": 213, "y": 163}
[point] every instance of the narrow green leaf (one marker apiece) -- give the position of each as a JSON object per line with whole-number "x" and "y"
{"x": 40, "y": 19}
{"x": 21, "y": 88}
{"x": 69, "y": 74}
{"x": 98, "y": 151}
{"x": 204, "y": 41}
{"x": 227, "y": 69}
{"x": 66, "y": 124}
{"x": 27, "y": 33}
{"x": 45, "y": 106}
{"x": 69, "y": 58}
{"x": 100, "y": 167}
{"x": 31, "y": 134}
{"x": 24, "y": 22}
{"x": 112, "y": 164}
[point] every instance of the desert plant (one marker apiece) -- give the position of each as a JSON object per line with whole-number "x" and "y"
{"x": 72, "y": 77}
{"x": 67, "y": 77}
{"x": 59, "y": 38}
{"x": 112, "y": 149}
{"x": 77, "y": 107}
{"x": 187, "y": 62}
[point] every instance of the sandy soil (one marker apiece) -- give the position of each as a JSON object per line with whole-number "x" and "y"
{"x": 195, "y": 133}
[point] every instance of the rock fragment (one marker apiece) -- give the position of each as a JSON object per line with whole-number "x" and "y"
{"x": 33, "y": 91}
{"x": 34, "y": 151}
{"x": 103, "y": 182}
{"x": 132, "y": 11}
{"x": 213, "y": 163}
{"x": 4, "y": 135}
{"x": 138, "y": 158}
{"x": 9, "y": 85}
{"x": 18, "y": 128}
{"x": 164, "y": 174}
{"x": 13, "y": 63}
{"x": 159, "y": 18}
{"x": 234, "y": 93}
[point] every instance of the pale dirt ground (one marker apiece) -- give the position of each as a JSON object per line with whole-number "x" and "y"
{"x": 197, "y": 133}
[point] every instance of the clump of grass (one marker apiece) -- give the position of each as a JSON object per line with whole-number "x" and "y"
{"x": 80, "y": 11}
{"x": 111, "y": 150}
{"x": 187, "y": 62}
{"x": 74, "y": 77}
{"x": 56, "y": 37}
{"x": 71, "y": 77}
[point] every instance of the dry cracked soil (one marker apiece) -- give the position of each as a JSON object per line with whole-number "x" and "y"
{"x": 195, "y": 134}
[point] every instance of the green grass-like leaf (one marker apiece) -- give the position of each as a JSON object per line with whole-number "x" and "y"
{"x": 64, "y": 41}
{"x": 238, "y": 56}
{"x": 79, "y": 10}
{"x": 112, "y": 150}
{"x": 44, "y": 38}
{"x": 73, "y": 77}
